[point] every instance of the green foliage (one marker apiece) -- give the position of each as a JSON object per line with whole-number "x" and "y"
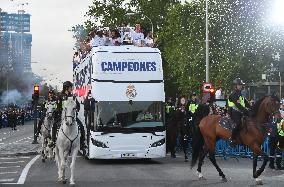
{"x": 79, "y": 33}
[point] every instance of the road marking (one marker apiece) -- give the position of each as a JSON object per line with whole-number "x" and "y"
{"x": 20, "y": 161}
{"x": 10, "y": 158}
{"x": 10, "y": 167}
{"x": 8, "y": 172}
{"x": 25, "y": 171}
{"x": 6, "y": 180}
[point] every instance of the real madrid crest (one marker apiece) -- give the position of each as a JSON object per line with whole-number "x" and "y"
{"x": 131, "y": 91}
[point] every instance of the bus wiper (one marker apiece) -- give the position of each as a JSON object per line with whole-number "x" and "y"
{"x": 145, "y": 129}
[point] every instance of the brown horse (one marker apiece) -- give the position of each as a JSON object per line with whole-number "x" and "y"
{"x": 252, "y": 133}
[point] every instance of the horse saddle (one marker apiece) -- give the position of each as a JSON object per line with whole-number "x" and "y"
{"x": 227, "y": 123}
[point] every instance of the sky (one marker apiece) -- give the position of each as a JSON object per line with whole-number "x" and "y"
{"x": 52, "y": 45}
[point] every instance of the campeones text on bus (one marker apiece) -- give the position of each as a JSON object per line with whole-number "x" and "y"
{"x": 128, "y": 66}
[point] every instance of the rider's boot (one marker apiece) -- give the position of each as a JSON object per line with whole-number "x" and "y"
{"x": 232, "y": 139}
{"x": 231, "y": 142}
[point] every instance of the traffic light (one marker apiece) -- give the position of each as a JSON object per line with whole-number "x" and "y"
{"x": 212, "y": 94}
{"x": 36, "y": 92}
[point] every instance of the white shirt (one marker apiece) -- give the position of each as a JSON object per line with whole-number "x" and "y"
{"x": 136, "y": 36}
{"x": 149, "y": 41}
{"x": 98, "y": 41}
{"x": 218, "y": 94}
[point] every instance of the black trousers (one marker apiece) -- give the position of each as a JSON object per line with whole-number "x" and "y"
{"x": 236, "y": 116}
{"x": 39, "y": 125}
{"x": 82, "y": 131}
{"x": 276, "y": 144}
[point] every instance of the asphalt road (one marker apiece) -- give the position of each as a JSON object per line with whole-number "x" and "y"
{"x": 155, "y": 172}
{"x": 158, "y": 172}
{"x": 23, "y": 134}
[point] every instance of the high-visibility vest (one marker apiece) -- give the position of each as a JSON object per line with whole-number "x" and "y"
{"x": 279, "y": 128}
{"x": 193, "y": 107}
{"x": 242, "y": 103}
{"x": 169, "y": 108}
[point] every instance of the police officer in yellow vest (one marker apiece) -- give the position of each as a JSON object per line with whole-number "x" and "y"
{"x": 192, "y": 104}
{"x": 280, "y": 145}
{"x": 238, "y": 106}
{"x": 170, "y": 108}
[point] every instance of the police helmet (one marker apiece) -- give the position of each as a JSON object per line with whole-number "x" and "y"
{"x": 238, "y": 81}
{"x": 67, "y": 84}
{"x": 193, "y": 94}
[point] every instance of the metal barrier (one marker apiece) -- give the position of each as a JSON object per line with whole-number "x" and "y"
{"x": 223, "y": 149}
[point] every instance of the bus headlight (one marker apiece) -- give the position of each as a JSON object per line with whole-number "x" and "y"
{"x": 99, "y": 144}
{"x": 159, "y": 143}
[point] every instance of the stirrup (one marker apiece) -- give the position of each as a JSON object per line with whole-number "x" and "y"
{"x": 231, "y": 142}
{"x": 51, "y": 144}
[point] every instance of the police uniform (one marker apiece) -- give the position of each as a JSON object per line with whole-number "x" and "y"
{"x": 276, "y": 147}
{"x": 64, "y": 96}
{"x": 192, "y": 104}
{"x": 170, "y": 108}
{"x": 237, "y": 107}
{"x": 43, "y": 111}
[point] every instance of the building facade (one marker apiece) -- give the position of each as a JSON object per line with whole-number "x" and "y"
{"x": 15, "y": 41}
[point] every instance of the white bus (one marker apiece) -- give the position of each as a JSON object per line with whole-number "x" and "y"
{"x": 127, "y": 117}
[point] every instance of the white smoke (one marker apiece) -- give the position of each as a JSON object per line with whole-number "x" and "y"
{"x": 12, "y": 96}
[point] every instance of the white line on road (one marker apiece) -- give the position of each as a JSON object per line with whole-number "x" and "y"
{"x": 10, "y": 158}
{"x": 10, "y": 167}
{"x": 6, "y": 180}
{"x": 8, "y": 172}
{"x": 20, "y": 161}
{"x": 25, "y": 171}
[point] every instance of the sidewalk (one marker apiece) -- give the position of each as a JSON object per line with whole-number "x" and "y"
{"x": 19, "y": 142}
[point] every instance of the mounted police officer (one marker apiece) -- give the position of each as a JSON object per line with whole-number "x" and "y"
{"x": 238, "y": 106}
{"x": 50, "y": 98}
{"x": 66, "y": 92}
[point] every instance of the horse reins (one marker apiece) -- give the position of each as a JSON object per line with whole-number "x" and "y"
{"x": 69, "y": 152}
{"x": 71, "y": 141}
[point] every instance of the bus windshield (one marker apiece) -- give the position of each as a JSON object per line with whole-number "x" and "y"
{"x": 129, "y": 115}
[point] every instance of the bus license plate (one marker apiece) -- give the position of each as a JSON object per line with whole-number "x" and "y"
{"x": 127, "y": 155}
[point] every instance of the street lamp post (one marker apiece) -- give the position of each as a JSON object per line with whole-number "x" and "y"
{"x": 207, "y": 44}
{"x": 134, "y": 13}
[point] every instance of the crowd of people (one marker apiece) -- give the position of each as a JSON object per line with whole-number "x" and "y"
{"x": 236, "y": 107}
{"x": 13, "y": 116}
{"x": 124, "y": 35}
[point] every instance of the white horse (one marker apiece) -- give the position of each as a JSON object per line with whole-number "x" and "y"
{"x": 68, "y": 140}
{"x": 46, "y": 129}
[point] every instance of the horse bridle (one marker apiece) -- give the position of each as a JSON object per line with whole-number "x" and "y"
{"x": 73, "y": 122}
{"x": 73, "y": 117}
